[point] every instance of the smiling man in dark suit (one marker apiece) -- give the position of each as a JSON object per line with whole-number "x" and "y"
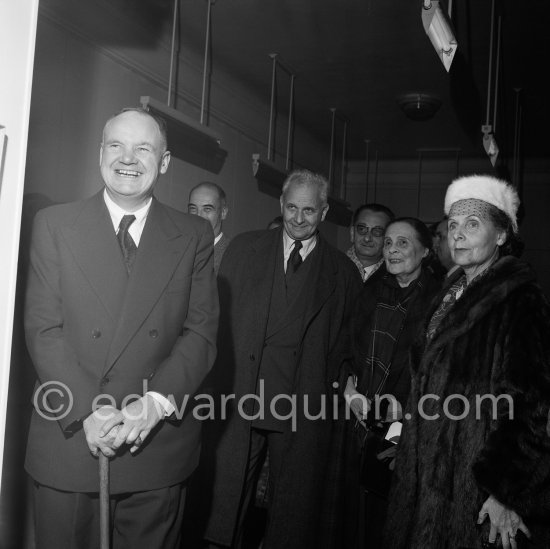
{"x": 121, "y": 318}
{"x": 284, "y": 304}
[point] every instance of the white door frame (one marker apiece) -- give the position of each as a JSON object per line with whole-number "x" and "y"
{"x": 17, "y": 40}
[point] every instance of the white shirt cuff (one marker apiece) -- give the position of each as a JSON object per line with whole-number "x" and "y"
{"x": 166, "y": 405}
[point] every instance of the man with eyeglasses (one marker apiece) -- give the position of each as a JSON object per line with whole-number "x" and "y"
{"x": 367, "y": 236}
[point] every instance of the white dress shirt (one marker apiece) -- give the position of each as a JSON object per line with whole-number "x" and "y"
{"x": 116, "y": 212}
{"x": 307, "y": 247}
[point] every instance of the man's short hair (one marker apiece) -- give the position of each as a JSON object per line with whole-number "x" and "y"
{"x": 372, "y": 207}
{"x": 305, "y": 177}
{"x": 161, "y": 123}
{"x": 213, "y": 187}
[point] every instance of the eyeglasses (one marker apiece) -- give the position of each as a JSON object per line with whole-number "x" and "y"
{"x": 363, "y": 230}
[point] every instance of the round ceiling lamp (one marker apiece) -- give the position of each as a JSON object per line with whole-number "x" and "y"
{"x": 419, "y": 106}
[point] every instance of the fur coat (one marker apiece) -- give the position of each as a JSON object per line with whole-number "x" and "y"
{"x": 494, "y": 341}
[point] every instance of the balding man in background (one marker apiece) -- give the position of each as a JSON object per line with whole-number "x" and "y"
{"x": 208, "y": 201}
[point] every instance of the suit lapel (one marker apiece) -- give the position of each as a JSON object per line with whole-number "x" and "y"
{"x": 92, "y": 241}
{"x": 160, "y": 251}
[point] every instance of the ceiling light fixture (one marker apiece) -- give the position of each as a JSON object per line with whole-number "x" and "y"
{"x": 439, "y": 30}
{"x": 419, "y": 106}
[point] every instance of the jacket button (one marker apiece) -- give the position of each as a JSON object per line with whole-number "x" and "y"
{"x": 251, "y": 357}
{"x": 96, "y": 334}
{"x": 153, "y": 333}
{"x": 104, "y": 381}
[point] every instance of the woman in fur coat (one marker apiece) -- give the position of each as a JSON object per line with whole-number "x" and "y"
{"x": 473, "y": 465}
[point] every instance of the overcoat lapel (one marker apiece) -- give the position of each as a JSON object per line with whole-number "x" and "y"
{"x": 262, "y": 275}
{"x": 324, "y": 282}
{"x": 92, "y": 241}
{"x": 160, "y": 250}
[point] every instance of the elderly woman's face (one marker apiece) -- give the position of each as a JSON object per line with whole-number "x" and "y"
{"x": 403, "y": 252}
{"x": 473, "y": 239}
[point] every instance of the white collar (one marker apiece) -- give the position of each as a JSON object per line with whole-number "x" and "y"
{"x": 307, "y": 245}
{"x": 116, "y": 213}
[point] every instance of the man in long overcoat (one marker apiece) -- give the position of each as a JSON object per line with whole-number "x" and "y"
{"x": 285, "y": 299}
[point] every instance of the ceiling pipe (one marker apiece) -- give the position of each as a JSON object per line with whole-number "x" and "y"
{"x": 490, "y": 73}
{"x": 495, "y": 101}
{"x": 206, "y": 54}
{"x": 341, "y": 191}
{"x": 272, "y": 105}
{"x": 343, "y": 186}
{"x": 290, "y": 125}
{"x": 331, "y": 156}
{"x": 375, "y": 175}
{"x": 367, "y": 166}
{"x": 517, "y": 132}
{"x": 172, "y": 53}
{"x": 489, "y": 141}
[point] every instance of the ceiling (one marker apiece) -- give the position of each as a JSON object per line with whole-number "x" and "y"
{"x": 358, "y": 56}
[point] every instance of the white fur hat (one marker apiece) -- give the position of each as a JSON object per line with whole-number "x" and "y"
{"x": 488, "y": 188}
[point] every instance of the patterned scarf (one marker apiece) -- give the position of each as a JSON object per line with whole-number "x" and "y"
{"x": 451, "y": 297}
{"x": 389, "y": 318}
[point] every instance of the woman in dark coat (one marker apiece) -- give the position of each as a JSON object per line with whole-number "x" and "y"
{"x": 387, "y": 316}
{"x": 473, "y": 465}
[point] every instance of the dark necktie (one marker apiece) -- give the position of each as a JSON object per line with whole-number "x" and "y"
{"x": 127, "y": 244}
{"x": 294, "y": 260}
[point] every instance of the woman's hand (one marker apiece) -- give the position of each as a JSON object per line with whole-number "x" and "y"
{"x": 388, "y": 454}
{"x": 358, "y": 403}
{"x": 504, "y": 522}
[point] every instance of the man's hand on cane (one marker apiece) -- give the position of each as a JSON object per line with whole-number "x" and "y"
{"x": 99, "y": 439}
{"x": 136, "y": 422}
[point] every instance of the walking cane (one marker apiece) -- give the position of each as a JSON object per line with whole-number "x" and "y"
{"x": 104, "y": 501}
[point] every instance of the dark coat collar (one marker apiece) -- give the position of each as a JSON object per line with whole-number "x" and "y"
{"x": 504, "y": 277}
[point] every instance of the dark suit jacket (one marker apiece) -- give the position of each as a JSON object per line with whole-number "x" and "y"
{"x": 219, "y": 250}
{"x": 309, "y": 500}
{"x": 93, "y": 330}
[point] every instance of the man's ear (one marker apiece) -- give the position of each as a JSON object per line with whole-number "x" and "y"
{"x": 165, "y": 162}
{"x": 100, "y": 153}
{"x": 352, "y": 233}
{"x": 225, "y": 211}
{"x": 325, "y": 210}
